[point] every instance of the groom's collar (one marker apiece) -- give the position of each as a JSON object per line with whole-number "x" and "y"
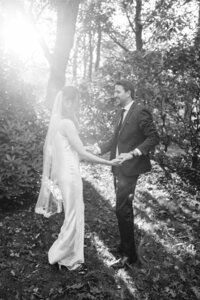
{"x": 127, "y": 107}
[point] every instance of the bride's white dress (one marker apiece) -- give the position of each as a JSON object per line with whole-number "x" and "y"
{"x": 67, "y": 250}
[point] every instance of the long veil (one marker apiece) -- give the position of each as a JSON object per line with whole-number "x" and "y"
{"x": 50, "y": 200}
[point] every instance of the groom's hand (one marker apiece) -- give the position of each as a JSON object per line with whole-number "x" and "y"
{"x": 130, "y": 155}
{"x": 125, "y": 156}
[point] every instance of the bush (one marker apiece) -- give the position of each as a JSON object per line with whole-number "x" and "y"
{"x": 21, "y": 139}
{"x": 97, "y": 110}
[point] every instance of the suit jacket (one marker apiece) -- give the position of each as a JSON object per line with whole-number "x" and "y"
{"x": 137, "y": 131}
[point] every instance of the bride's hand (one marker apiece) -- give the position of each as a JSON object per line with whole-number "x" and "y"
{"x": 116, "y": 162}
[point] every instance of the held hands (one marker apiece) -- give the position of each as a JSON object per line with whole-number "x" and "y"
{"x": 116, "y": 162}
{"x": 119, "y": 160}
{"x": 127, "y": 156}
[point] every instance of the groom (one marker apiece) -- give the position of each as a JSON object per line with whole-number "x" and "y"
{"x": 134, "y": 136}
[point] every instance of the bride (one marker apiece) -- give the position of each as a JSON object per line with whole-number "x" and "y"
{"x": 61, "y": 181}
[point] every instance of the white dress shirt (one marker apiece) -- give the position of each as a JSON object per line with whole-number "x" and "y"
{"x": 127, "y": 107}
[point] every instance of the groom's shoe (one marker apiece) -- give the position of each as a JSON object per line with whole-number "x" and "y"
{"x": 137, "y": 262}
{"x": 125, "y": 262}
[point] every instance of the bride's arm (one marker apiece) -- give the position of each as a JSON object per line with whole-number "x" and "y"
{"x": 69, "y": 130}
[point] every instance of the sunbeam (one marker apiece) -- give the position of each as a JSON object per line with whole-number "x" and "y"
{"x": 19, "y": 36}
{"x": 107, "y": 258}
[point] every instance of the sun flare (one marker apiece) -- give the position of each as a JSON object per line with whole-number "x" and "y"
{"x": 19, "y": 36}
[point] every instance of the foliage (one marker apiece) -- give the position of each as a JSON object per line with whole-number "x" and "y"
{"x": 22, "y": 136}
{"x": 97, "y": 110}
{"x": 165, "y": 71}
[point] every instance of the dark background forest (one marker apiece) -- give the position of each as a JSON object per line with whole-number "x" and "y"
{"x": 45, "y": 44}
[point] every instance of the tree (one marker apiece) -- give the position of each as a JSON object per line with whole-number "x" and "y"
{"x": 138, "y": 27}
{"x": 67, "y": 11}
{"x": 66, "y": 14}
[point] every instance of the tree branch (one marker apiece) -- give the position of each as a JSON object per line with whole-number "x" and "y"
{"x": 41, "y": 11}
{"x": 119, "y": 43}
{"x": 41, "y": 39}
{"x": 128, "y": 17}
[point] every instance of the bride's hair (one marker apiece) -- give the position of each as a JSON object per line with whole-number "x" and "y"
{"x": 70, "y": 93}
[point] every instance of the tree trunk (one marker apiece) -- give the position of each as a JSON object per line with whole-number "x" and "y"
{"x": 99, "y": 36}
{"x": 197, "y": 38}
{"x": 138, "y": 25}
{"x": 91, "y": 55}
{"x": 85, "y": 58}
{"x": 67, "y": 11}
{"x": 98, "y": 53}
{"x": 75, "y": 57}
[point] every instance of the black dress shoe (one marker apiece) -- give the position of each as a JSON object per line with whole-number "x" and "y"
{"x": 136, "y": 262}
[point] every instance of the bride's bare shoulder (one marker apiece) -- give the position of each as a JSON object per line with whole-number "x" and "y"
{"x": 66, "y": 124}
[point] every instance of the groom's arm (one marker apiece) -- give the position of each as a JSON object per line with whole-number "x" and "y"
{"x": 148, "y": 128}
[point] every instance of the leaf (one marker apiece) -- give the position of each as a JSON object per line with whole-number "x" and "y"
{"x": 31, "y": 253}
{"x": 77, "y": 286}
{"x": 171, "y": 292}
{"x": 196, "y": 291}
{"x": 86, "y": 296}
{"x": 95, "y": 291}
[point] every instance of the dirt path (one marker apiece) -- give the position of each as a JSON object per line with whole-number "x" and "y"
{"x": 167, "y": 219}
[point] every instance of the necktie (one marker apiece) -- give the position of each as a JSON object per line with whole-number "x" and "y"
{"x": 115, "y": 142}
{"x": 120, "y": 122}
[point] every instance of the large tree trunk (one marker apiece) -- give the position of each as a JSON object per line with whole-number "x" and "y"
{"x": 67, "y": 11}
{"x": 138, "y": 25}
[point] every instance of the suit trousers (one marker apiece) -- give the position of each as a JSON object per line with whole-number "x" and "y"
{"x": 125, "y": 188}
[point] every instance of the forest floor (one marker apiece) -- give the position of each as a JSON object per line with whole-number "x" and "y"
{"x": 167, "y": 226}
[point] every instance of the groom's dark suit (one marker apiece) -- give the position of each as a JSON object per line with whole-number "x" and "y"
{"x": 137, "y": 131}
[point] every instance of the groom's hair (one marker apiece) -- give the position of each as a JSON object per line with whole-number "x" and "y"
{"x": 127, "y": 86}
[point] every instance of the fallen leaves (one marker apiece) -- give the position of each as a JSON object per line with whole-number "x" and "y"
{"x": 166, "y": 230}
